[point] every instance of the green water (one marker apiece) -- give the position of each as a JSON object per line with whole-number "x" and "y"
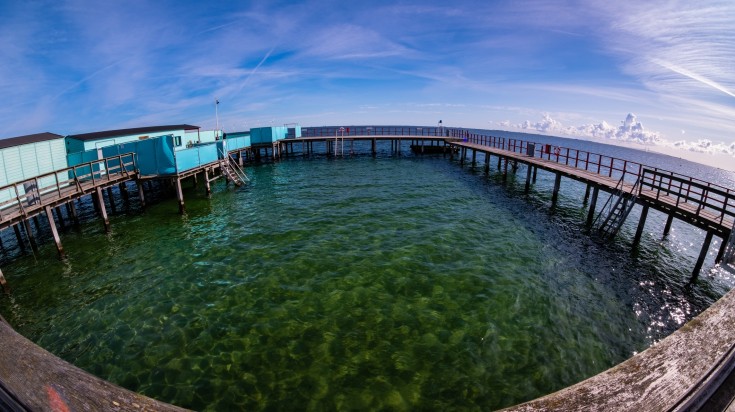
{"x": 358, "y": 283}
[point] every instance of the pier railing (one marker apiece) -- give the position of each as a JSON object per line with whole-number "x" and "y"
{"x": 693, "y": 195}
{"x": 30, "y": 195}
{"x": 702, "y": 198}
{"x": 597, "y": 163}
{"x": 332, "y": 131}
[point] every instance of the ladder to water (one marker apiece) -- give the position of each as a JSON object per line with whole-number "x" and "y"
{"x": 232, "y": 171}
{"x": 616, "y": 210}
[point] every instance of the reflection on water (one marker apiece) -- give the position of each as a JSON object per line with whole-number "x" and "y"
{"x": 404, "y": 283}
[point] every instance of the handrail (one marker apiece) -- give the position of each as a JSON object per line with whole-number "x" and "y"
{"x": 77, "y": 174}
{"x": 706, "y": 195}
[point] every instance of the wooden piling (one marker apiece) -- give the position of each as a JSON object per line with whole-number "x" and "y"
{"x": 667, "y": 228}
{"x": 641, "y": 224}
{"x": 206, "y": 182}
{"x": 19, "y": 237}
{"x": 60, "y": 217}
{"x": 124, "y": 190}
{"x": 101, "y": 207}
{"x": 487, "y": 163}
{"x": 593, "y": 205}
{"x": 528, "y": 178}
{"x": 702, "y": 256}
{"x": 505, "y": 170}
{"x": 535, "y": 170}
{"x": 587, "y": 194}
{"x": 474, "y": 157}
{"x": 721, "y": 252}
{"x": 141, "y": 193}
{"x": 180, "y": 196}
{"x": 54, "y": 232}
{"x": 4, "y": 283}
{"x": 111, "y": 199}
{"x": 71, "y": 209}
{"x": 29, "y": 233}
{"x": 557, "y": 185}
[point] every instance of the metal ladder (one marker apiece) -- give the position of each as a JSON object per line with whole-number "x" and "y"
{"x": 615, "y": 211}
{"x": 232, "y": 171}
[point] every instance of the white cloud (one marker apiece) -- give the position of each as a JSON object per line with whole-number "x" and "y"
{"x": 630, "y": 131}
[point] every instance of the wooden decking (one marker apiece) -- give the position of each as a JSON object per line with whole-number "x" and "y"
{"x": 25, "y": 205}
{"x": 704, "y": 213}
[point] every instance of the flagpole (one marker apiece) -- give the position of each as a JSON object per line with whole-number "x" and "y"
{"x": 216, "y": 115}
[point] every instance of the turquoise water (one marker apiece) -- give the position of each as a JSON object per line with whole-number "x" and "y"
{"x": 389, "y": 283}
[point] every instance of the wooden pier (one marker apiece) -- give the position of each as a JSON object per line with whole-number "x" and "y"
{"x": 705, "y": 205}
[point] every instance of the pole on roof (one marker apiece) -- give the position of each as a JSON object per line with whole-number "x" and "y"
{"x": 216, "y": 115}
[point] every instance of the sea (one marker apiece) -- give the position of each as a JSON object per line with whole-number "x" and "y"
{"x": 400, "y": 281}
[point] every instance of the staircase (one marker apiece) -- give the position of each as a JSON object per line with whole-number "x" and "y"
{"x": 232, "y": 171}
{"x": 617, "y": 208}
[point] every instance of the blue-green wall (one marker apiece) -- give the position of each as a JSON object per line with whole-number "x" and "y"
{"x": 75, "y": 145}
{"x": 22, "y": 162}
{"x": 263, "y": 135}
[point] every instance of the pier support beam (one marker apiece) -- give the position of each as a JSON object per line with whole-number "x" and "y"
{"x": 474, "y": 157}
{"x": 373, "y": 148}
{"x": 587, "y": 194}
{"x": 141, "y": 193}
{"x": 505, "y": 170}
{"x": 112, "y": 199}
{"x": 462, "y": 155}
{"x": 180, "y": 196}
{"x": 702, "y": 256}
{"x": 528, "y": 178}
{"x": 19, "y": 237}
{"x": 557, "y": 185}
{"x": 29, "y": 233}
{"x": 593, "y": 205}
{"x": 667, "y": 228}
{"x": 54, "y": 232}
{"x": 4, "y": 283}
{"x": 535, "y": 170}
{"x": 641, "y": 224}
{"x": 71, "y": 210}
{"x": 101, "y": 207}
{"x": 206, "y": 182}
{"x": 721, "y": 252}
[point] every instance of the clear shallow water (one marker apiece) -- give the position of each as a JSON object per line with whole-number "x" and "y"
{"x": 365, "y": 283}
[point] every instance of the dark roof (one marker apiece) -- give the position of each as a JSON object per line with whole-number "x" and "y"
{"x": 126, "y": 132}
{"x": 31, "y": 138}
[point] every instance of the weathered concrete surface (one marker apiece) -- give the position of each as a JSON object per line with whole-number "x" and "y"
{"x": 43, "y": 382}
{"x": 671, "y": 375}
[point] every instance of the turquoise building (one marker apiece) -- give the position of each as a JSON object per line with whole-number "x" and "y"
{"x": 26, "y": 157}
{"x": 182, "y": 134}
{"x": 268, "y": 135}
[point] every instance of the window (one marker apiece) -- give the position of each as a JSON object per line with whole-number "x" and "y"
{"x": 177, "y": 140}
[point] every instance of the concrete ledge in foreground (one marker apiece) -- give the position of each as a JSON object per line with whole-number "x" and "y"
{"x": 677, "y": 374}
{"x": 40, "y": 381}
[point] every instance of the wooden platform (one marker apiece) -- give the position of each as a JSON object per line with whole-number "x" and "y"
{"x": 26, "y": 205}
{"x": 706, "y": 212}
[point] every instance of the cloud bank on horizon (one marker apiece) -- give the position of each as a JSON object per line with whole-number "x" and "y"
{"x": 630, "y": 131}
{"x": 78, "y": 66}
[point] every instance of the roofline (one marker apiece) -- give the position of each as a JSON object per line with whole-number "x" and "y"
{"x": 28, "y": 139}
{"x": 131, "y": 131}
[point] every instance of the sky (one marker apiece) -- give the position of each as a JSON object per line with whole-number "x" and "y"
{"x": 658, "y": 73}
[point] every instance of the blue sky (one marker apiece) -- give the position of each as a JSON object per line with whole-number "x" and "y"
{"x": 559, "y": 67}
